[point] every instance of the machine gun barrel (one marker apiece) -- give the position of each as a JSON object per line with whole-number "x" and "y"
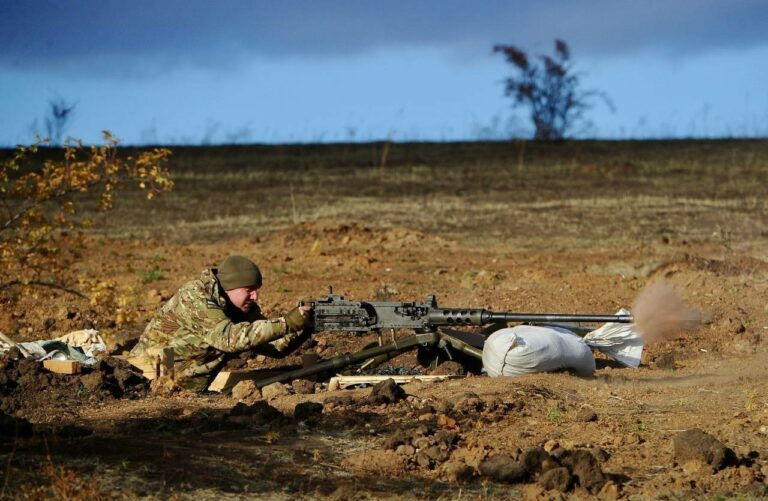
{"x": 463, "y": 316}
{"x": 556, "y": 317}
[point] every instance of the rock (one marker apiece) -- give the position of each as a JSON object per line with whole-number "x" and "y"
{"x": 468, "y": 403}
{"x": 307, "y": 410}
{"x": 274, "y": 390}
{"x": 259, "y": 413}
{"x": 695, "y": 445}
{"x": 556, "y": 479}
{"x": 340, "y": 401}
{"x": 405, "y": 450}
{"x": 456, "y": 472}
{"x": 551, "y": 445}
{"x": 394, "y": 441}
{"x": 386, "y": 392}
{"x": 235, "y": 364}
{"x": 585, "y": 468}
{"x": 503, "y": 469}
{"x": 303, "y": 386}
{"x": 154, "y": 296}
{"x": 533, "y": 460}
{"x": 497, "y": 406}
{"x": 246, "y": 390}
{"x": 427, "y": 409}
{"x": 586, "y": 415}
{"x": 422, "y": 442}
{"x": 423, "y": 460}
{"x": 435, "y": 453}
{"x": 92, "y": 382}
{"x": 127, "y": 377}
{"x": 446, "y": 437}
{"x": 443, "y": 407}
{"x": 426, "y": 417}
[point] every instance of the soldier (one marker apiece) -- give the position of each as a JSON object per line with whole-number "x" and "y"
{"x": 213, "y": 317}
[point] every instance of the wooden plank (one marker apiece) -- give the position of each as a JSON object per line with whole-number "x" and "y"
{"x": 226, "y": 380}
{"x": 62, "y": 366}
{"x": 7, "y": 340}
{"x": 146, "y": 368}
{"x": 345, "y": 381}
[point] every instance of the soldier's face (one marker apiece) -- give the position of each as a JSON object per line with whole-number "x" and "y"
{"x": 244, "y": 298}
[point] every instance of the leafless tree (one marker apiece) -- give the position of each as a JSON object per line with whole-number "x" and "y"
{"x": 59, "y": 116}
{"x": 551, "y": 90}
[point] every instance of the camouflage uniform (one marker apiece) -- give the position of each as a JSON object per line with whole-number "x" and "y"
{"x": 203, "y": 328}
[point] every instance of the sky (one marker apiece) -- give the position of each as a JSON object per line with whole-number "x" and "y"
{"x": 240, "y": 71}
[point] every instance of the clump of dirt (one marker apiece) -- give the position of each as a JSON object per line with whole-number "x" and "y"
{"x": 563, "y": 472}
{"x": 307, "y": 411}
{"x": 28, "y": 388}
{"x": 386, "y": 392}
{"x": 660, "y": 312}
{"x": 696, "y": 445}
{"x": 259, "y": 413}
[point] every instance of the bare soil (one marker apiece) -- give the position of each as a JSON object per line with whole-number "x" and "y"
{"x": 573, "y": 228}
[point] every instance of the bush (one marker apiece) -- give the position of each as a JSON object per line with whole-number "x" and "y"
{"x": 39, "y": 201}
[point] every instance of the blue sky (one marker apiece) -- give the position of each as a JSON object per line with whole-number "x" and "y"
{"x": 190, "y": 71}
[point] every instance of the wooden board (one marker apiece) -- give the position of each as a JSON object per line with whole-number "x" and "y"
{"x": 226, "y": 380}
{"x": 147, "y": 369}
{"x": 345, "y": 381}
{"x": 62, "y": 366}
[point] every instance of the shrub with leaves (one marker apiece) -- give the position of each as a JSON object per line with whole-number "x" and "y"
{"x": 39, "y": 201}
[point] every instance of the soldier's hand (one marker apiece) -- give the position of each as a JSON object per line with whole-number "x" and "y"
{"x": 298, "y": 318}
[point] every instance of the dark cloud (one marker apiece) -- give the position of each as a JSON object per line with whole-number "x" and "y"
{"x": 148, "y": 35}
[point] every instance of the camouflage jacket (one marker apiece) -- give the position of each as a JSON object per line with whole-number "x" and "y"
{"x": 203, "y": 328}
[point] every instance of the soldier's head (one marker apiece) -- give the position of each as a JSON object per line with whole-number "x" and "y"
{"x": 241, "y": 280}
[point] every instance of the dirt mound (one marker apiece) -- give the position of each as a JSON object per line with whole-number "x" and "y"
{"x": 733, "y": 266}
{"x": 26, "y": 387}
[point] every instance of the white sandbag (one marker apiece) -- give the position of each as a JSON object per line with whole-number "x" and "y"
{"x": 525, "y": 349}
{"x": 622, "y": 342}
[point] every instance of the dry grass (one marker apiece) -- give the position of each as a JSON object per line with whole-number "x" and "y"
{"x": 544, "y": 194}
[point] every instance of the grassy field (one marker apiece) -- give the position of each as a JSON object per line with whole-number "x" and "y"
{"x": 522, "y": 193}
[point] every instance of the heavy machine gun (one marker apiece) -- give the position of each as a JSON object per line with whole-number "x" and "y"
{"x": 334, "y": 313}
{"x": 433, "y": 326}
